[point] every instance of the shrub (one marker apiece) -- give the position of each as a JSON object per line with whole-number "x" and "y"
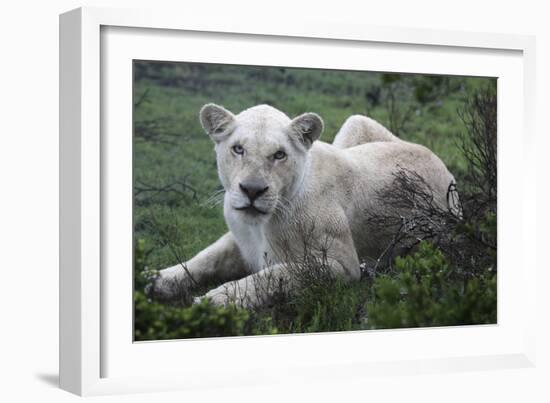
{"x": 154, "y": 321}
{"x": 464, "y": 228}
{"x": 425, "y": 293}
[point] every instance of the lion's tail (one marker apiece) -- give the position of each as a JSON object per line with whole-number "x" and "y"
{"x": 453, "y": 200}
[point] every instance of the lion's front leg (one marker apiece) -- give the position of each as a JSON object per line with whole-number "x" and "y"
{"x": 254, "y": 290}
{"x": 221, "y": 261}
{"x": 260, "y": 289}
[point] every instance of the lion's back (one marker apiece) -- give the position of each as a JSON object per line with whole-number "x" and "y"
{"x": 352, "y": 180}
{"x": 363, "y": 170}
{"x": 381, "y": 161}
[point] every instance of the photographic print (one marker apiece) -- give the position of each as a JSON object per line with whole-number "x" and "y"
{"x": 274, "y": 200}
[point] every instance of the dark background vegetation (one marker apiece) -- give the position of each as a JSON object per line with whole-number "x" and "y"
{"x": 447, "y": 274}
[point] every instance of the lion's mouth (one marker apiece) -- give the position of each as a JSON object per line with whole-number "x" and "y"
{"x": 251, "y": 209}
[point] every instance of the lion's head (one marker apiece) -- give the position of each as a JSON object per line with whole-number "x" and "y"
{"x": 262, "y": 155}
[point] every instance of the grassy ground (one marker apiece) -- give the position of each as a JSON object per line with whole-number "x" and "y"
{"x": 174, "y": 162}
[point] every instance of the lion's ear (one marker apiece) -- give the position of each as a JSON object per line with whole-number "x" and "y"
{"x": 308, "y": 127}
{"x": 216, "y": 121}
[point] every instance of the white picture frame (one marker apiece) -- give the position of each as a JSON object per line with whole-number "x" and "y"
{"x": 90, "y": 340}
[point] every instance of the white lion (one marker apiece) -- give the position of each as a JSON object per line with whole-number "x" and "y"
{"x": 282, "y": 185}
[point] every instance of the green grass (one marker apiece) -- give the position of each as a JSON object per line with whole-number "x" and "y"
{"x": 173, "y": 155}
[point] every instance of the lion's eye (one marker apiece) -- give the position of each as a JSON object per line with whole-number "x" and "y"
{"x": 238, "y": 149}
{"x": 279, "y": 155}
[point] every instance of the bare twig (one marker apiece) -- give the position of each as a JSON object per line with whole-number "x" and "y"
{"x": 143, "y": 97}
{"x": 156, "y": 131}
{"x": 178, "y": 187}
{"x": 479, "y": 144}
{"x": 166, "y": 241}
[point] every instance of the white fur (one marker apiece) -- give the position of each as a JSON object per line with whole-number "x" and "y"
{"x": 320, "y": 191}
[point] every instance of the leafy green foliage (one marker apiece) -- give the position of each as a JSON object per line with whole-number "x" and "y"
{"x": 154, "y": 321}
{"x": 427, "y": 292}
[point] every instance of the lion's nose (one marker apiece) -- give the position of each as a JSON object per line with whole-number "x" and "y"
{"x": 253, "y": 188}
